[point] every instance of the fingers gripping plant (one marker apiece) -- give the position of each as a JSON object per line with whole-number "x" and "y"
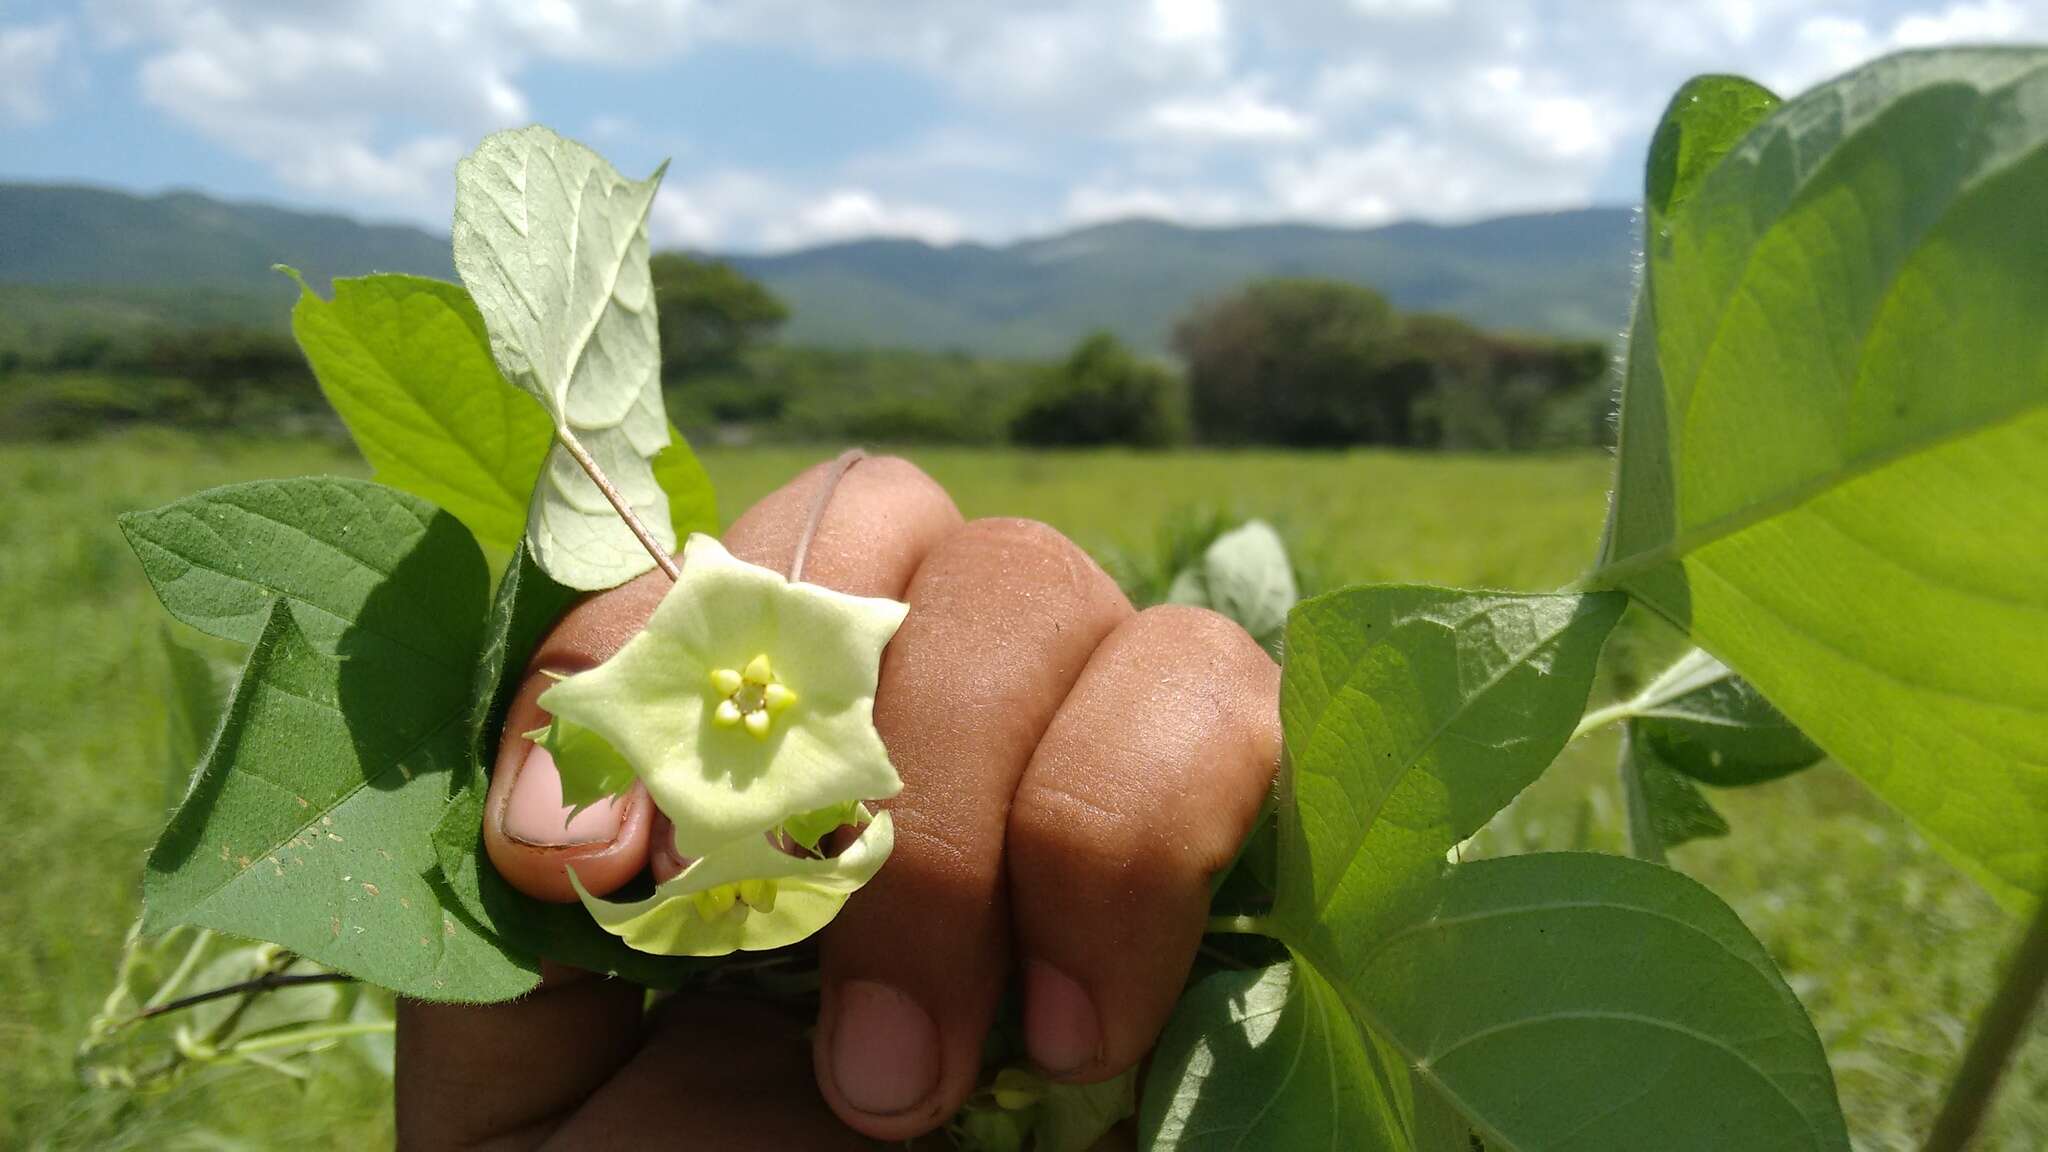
{"x": 1833, "y": 445}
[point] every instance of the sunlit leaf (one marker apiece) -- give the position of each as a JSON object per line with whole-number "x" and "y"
{"x": 552, "y": 244}
{"x": 1706, "y": 119}
{"x": 1835, "y": 437}
{"x": 406, "y": 364}
{"x": 1412, "y": 715}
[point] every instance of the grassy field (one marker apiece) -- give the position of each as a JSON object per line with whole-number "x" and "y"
{"x": 1888, "y": 946}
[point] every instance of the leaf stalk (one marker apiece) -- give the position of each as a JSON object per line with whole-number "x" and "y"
{"x": 263, "y": 983}
{"x": 1998, "y": 1035}
{"x": 619, "y": 503}
{"x": 1600, "y": 718}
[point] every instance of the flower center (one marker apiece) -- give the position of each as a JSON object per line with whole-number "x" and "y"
{"x": 750, "y": 697}
{"x": 746, "y": 895}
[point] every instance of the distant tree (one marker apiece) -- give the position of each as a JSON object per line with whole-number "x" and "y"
{"x": 1102, "y": 394}
{"x": 1293, "y": 362}
{"x": 237, "y": 375}
{"x": 711, "y": 314}
{"x": 1484, "y": 390}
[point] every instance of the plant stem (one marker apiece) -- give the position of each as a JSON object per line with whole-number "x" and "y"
{"x": 313, "y": 1035}
{"x": 619, "y": 503}
{"x": 263, "y": 983}
{"x": 829, "y": 484}
{"x": 1239, "y": 926}
{"x": 1998, "y": 1034}
{"x": 1643, "y": 841}
{"x": 1600, "y": 718}
{"x": 187, "y": 964}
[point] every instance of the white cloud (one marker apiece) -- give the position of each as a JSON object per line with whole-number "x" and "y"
{"x": 1961, "y": 23}
{"x": 1242, "y": 113}
{"x": 1046, "y": 111}
{"x": 28, "y": 55}
{"x": 1095, "y": 203}
{"x": 751, "y": 210}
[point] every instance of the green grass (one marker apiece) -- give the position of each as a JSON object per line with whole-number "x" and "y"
{"x": 1888, "y": 946}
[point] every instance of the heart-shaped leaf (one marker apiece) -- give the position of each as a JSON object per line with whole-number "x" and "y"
{"x": 1835, "y": 437}
{"x": 309, "y": 823}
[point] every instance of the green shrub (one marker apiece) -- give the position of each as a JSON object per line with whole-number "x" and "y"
{"x": 1103, "y": 394}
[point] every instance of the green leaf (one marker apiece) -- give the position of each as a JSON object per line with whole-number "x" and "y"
{"x": 309, "y": 824}
{"x": 1701, "y": 719}
{"x": 1703, "y": 122}
{"x": 1412, "y": 715}
{"x": 197, "y": 697}
{"x": 1831, "y": 473}
{"x": 402, "y": 579}
{"x": 692, "y": 502}
{"x": 1582, "y": 1003}
{"x": 1270, "y": 1058}
{"x": 1439, "y": 1126}
{"x": 552, "y": 244}
{"x": 1678, "y": 812}
{"x": 591, "y": 769}
{"x": 1245, "y": 575}
{"x": 1707, "y": 118}
{"x": 406, "y": 364}
{"x": 527, "y": 604}
{"x": 1073, "y": 1117}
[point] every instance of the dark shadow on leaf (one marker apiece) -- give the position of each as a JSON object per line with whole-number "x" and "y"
{"x": 405, "y": 692}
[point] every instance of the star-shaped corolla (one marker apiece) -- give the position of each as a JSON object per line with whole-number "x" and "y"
{"x": 745, "y": 705}
{"x": 748, "y": 896}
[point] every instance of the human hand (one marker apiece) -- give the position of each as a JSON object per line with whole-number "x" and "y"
{"x": 1074, "y": 774}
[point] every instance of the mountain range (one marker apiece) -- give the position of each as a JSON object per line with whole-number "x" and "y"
{"x": 71, "y": 252}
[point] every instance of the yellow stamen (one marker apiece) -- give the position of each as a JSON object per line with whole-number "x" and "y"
{"x": 777, "y": 697}
{"x": 1017, "y": 1088}
{"x": 758, "y": 894}
{"x": 725, "y": 681}
{"x": 727, "y": 714}
{"x": 714, "y": 902}
{"x": 757, "y": 724}
{"x": 758, "y": 670}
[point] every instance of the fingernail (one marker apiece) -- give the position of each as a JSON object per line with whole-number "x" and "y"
{"x": 536, "y": 815}
{"x": 885, "y": 1049}
{"x": 1061, "y": 1030}
{"x": 662, "y": 857}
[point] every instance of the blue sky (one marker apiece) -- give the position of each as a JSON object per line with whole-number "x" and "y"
{"x": 791, "y": 122}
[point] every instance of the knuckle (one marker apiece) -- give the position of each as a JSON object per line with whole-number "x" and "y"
{"x": 897, "y": 470}
{"x": 1203, "y": 629}
{"x": 1014, "y": 532}
{"x": 1017, "y": 561}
